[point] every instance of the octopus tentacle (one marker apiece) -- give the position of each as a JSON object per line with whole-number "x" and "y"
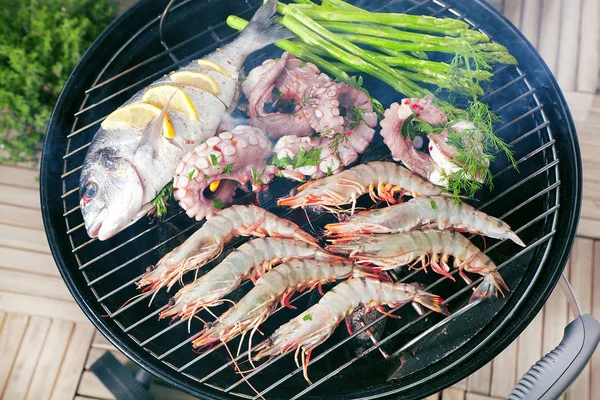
{"x": 259, "y": 88}
{"x": 436, "y": 165}
{"x": 218, "y": 166}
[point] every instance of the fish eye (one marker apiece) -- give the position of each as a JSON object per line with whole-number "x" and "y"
{"x": 90, "y": 191}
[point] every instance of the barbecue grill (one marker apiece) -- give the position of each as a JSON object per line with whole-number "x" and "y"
{"x": 541, "y": 201}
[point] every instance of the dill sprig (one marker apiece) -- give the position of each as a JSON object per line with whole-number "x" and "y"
{"x": 475, "y": 146}
{"x": 160, "y": 202}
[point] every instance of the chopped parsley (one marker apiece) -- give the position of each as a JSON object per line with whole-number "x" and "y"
{"x": 218, "y": 204}
{"x": 432, "y": 204}
{"x": 307, "y": 317}
{"x": 256, "y": 177}
{"x": 302, "y": 159}
{"x": 191, "y": 174}
{"x": 214, "y": 160}
{"x": 227, "y": 169}
{"x": 161, "y": 199}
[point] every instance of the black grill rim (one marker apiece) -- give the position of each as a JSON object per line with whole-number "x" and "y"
{"x": 79, "y": 80}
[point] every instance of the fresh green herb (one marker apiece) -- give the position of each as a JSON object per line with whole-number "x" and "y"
{"x": 206, "y": 176}
{"x": 325, "y": 132}
{"x": 307, "y": 317}
{"x": 277, "y": 92}
{"x": 338, "y": 139}
{"x": 256, "y": 177}
{"x": 433, "y": 204}
{"x": 218, "y": 204}
{"x": 281, "y": 162}
{"x": 305, "y": 100}
{"x": 357, "y": 117}
{"x": 307, "y": 158}
{"x": 227, "y": 169}
{"x": 192, "y": 173}
{"x": 41, "y": 41}
{"x": 214, "y": 161}
{"x": 329, "y": 171}
{"x": 406, "y": 130}
{"x": 160, "y": 201}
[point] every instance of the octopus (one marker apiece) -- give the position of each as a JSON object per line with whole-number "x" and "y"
{"x": 207, "y": 178}
{"x": 291, "y": 100}
{"x": 434, "y": 166}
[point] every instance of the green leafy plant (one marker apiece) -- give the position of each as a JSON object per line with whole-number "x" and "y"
{"x": 40, "y": 44}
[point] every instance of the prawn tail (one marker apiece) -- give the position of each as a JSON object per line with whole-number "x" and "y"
{"x": 491, "y": 285}
{"x": 209, "y": 337}
{"x": 513, "y": 236}
{"x": 432, "y": 302}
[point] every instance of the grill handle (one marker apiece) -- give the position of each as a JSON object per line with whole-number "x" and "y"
{"x": 553, "y": 374}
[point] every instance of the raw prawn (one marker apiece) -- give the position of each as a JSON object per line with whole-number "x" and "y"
{"x": 398, "y": 249}
{"x": 249, "y": 261}
{"x": 208, "y": 242}
{"x": 436, "y": 211}
{"x": 276, "y": 286}
{"x": 315, "y": 325}
{"x": 382, "y": 180}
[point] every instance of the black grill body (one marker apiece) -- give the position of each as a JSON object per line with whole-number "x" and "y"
{"x": 541, "y": 202}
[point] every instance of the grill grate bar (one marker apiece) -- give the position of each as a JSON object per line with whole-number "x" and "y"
{"x": 77, "y": 150}
{"x": 530, "y": 177}
{"x": 525, "y": 158}
{"x": 503, "y": 87}
{"x": 440, "y": 280}
{"x": 81, "y": 225}
{"x": 525, "y": 115}
{"x": 106, "y": 296}
{"x": 81, "y": 246}
{"x": 63, "y": 176}
{"x": 70, "y": 192}
{"x": 131, "y": 304}
{"x": 391, "y": 336}
{"x": 71, "y": 210}
{"x": 86, "y": 127}
{"x": 528, "y": 93}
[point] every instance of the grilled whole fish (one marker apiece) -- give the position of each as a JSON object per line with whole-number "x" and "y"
{"x": 126, "y": 166}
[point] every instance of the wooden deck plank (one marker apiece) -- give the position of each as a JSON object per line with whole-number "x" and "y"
{"x": 96, "y": 353}
{"x": 589, "y": 228}
{"x": 91, "y": 386}
{"x": 50, "y": 360}
{"x": 13, "y": 329}
{"x": 569, "y": 44}
{"x": 580, "y": 276}
{"x": 21, "y": 177}
{"x": 73, "y": 363}
{"x": 504, "y": 377}
{"x": 513, "y": 10}
{"x": 19, "y": 216}
{"x": 453, "y": 394}
{"x": 22, "y": 197}
{"x": 530, "y": 24}
{"x": 460, "y": 385}
{"x": 481, "y": 380}
{"x": 100, "y": 342}
{"x": 530, "y": 345}
{"x": 43, "y": 307}
{"x": 548, "y": 45}
{"x": 21, "y": 238}
{"x": 475, "y": 396}
{"x": 27, "y": 358}
{"x": 589, "y": 61}
{"x": 25, "y": 283}
{"x": 595, "y": 363}
{"x": 28, "y": 261}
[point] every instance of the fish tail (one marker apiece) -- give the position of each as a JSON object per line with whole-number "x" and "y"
{"x": 261, "y": 31}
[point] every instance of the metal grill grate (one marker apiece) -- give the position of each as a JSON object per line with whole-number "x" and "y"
{"x": 110, "y": 268}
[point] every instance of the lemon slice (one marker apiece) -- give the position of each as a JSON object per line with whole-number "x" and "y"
{"x": 197, "y": 80}
{"x": 137, "y": 115}
{"x": 212, "y": 66}
{"x": 178, "y": 100}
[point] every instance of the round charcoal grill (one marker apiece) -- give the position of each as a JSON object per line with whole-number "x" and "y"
{"x": 541, "y": 201}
